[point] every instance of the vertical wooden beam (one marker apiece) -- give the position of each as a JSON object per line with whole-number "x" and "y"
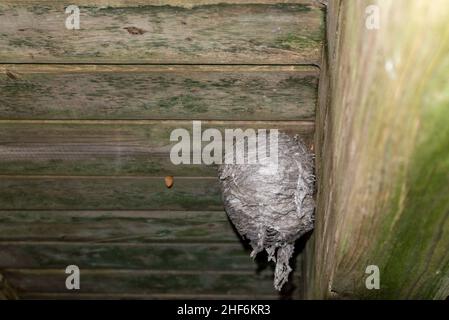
{"x": 383, "y": 158}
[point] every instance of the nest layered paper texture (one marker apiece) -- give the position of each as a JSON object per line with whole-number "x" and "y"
{"x": 271, "y": 202}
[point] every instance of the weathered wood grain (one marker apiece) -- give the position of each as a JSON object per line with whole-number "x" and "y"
{"x": 108, "y": 193}
{"x": 140, "y": 296}
{"x": 110, "y": 147}
{"x": 383, "y": 179}
{"x": 7, "y": 292}
{"x": 176, "y": 3}
{"x": 157, "y": 92}
{"x": 149, "y": 256}
{"x": 144, "y": 282}
{"x": 284, "y": 33}
{"x": 116, "y": 226}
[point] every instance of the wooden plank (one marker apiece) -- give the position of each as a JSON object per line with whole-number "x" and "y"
{"x": 177, "y": 3}
{"x": 110, "y": 147}
{"x": 284, "y": 33}
{"x": 116, "y": 226}
{"x": 383, "y": 179}
{"x": 136, "y": 256}
{"x": 157, "y": 296}
{"x": 7, "y": 292}
{"x": 144, "y": 282}
{"x": 108, "y": 193}
{"x": 157, "y": 92}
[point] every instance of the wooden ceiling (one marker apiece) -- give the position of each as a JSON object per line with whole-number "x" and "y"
{"x": 85, "y": 121}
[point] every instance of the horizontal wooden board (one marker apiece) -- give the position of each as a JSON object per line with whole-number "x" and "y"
{"x": 157, "y": 92}
{"x": 283, "y": 33}
{"x": 110, "y": 147}
{"x": 108, "y": 193}
{"x": 149, "y": 256}
{"x": 116, "y": 226}
{"x": 144, "y": 282}
{"x": 149, "y": 296}
{"x": 176, "y": 3}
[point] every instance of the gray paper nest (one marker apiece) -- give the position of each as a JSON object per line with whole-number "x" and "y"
{"x": 272, "y": 208}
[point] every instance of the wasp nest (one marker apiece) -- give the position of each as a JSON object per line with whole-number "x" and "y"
{"x": 271, "y": 202}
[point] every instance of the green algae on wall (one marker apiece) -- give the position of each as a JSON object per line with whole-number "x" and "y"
{"x": 241, "y": 33}
{"x": 384, "y": 155}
